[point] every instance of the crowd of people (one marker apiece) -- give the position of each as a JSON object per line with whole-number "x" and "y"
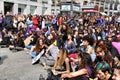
{"x": 81, "y": 47}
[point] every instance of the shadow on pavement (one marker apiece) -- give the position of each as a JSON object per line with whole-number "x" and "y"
{"x": 2, "y": 58}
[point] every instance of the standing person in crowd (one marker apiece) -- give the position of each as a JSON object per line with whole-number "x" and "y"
{"x": 59, "y": 22}
{"x": 29, "y": 21}
{"x": 21, "y": 22}
{"x": 35, "y": 21}
{"x": 54, "y": 23}
{"x": 8, "y": 21}
{"x": 1, "y": 21}
{"x": 43, "y": 23}
{"x": 15, "y": 22}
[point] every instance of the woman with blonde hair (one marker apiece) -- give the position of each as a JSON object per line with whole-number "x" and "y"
{"x": 62, "y": 64}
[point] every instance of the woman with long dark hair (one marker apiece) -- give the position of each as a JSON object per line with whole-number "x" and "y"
{"x": 84, "y": 71}
{"x": 18, "y": 42}
{"x": 38, "y": 48}
{"x": 69, "y": 44}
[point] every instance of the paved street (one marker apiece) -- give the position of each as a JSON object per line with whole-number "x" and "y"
{"x": 17, "y": 66}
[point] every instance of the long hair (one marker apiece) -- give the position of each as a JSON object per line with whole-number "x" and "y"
{"x": 38, "y": 46}
{"x": 62, "y": 56}
{"x": 54, "y": 37}
{"x": 85, "y": 60}
{"x": 101, "y": 46}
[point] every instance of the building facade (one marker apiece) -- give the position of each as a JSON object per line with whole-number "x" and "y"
{"x": 110, "y": 7}
{"x": 40, "y": 7}
{"x": 65, "y": 6}
{"x": 55, "y": 7}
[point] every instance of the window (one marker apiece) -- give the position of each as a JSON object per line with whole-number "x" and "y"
{"x": 92, "y": 3}
{"x": 97, "y": 3}
{"x": 65, "y": 7}
{"x": 53, "y": 11}
{"x": 44, "y": 2}
{"x": 105, "y": 12}
{"x": 19, "y": 10}
{"x": 102, "y": 3}
{"x": 106, "y": 6}
{"x": 44, "y": 10}
{"x": 101, "y": 9}
{"x": 85, "y": 3}
{"x": 32, "y": 9}
{"x": 110, "y": 13}
{"x": 111, "y": 6}
{"x": 34, "y": 0}
{"x": 115, "y": 6}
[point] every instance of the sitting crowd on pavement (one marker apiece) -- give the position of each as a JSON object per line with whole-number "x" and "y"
{"x": 81, "y": 47}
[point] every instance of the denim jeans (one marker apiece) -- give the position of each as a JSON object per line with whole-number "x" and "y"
{"x": 33, "y": 54}
{"x": 28, "y": 46}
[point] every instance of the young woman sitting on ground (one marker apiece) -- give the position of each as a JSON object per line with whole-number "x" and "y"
{"x": 84, "y": 71}
{"x": 38, "y": 48}
{"x": 62, "y": 64}
{"x": 18, "y": 43}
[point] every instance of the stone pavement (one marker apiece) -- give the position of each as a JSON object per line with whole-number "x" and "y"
{"x": 18, "y": 66}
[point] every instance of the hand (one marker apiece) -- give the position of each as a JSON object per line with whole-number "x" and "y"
{"x": 46, "y": 51}
{"x": 57, "y": 72}
{"x": 54, "y": 72}
{"x": 64, "y": 75}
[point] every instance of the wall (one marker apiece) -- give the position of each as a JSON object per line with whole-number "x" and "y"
{"x": 26, "y": 6}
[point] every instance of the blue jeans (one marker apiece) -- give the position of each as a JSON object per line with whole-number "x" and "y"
{"x": 33, "y": 54}
{"x": 28, "y": 46}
